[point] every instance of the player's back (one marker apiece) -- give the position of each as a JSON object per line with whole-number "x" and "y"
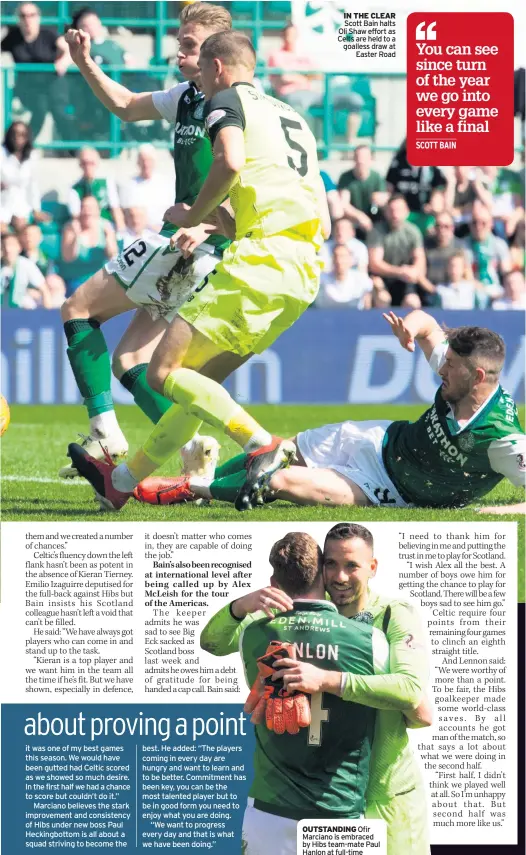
{"x": 324, "y": 769}
{"x": 277, "y": 190}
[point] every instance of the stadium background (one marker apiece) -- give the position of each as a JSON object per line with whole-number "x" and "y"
{"x": 335, "y": 364}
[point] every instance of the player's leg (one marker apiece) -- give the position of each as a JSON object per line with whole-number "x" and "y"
{"x": 257, "y": 291}
{"x": 304, "y": 486}
{"x": 406, "y": 818}
{"x": 98, "y": 299}
{"x": 130, "y": 363}
{"x": 178, "y": 368}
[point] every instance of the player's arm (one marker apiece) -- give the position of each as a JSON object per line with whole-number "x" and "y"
{"x": 325, "y": 214}
{"x": 402, "y": 689}
{"x": 507, "y": 456}
{"x": 221, "y": 634}
{"x": 417, "y": 327}
{"x": 225, "y": 125}
{"x": 128, "y": 106}
{"x": 422, "y": 716}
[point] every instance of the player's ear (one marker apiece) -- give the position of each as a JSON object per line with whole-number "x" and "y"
{"x": 374, "y": 567}
{"x": 273, "y": 583}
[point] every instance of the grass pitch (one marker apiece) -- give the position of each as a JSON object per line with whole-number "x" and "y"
{"x": 34, "y": 448}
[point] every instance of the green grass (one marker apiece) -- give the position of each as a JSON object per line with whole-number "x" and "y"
{"x": 34, "y": 447}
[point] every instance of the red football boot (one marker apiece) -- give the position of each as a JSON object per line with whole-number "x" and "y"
{"x": 98, "y": 473}
{"x": 164, "y": 491}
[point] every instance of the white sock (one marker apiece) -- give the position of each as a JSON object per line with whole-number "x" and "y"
{"x": 200, "y": 486}
{"x": 104, "y": 424}
{"x": 123, "y": 480}
{"x": 257, "y": 440}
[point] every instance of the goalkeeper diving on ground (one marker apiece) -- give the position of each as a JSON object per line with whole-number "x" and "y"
{"x": 454, "y": 454}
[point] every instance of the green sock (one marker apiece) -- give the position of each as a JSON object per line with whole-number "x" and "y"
{"x": 226, "y": 489}
{"x": 235, "y": 464}
{"x": 90, "y": 361}
{"x": 151, "y": 403}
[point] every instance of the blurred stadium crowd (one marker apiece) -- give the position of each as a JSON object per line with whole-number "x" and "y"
{"x": 402, "y": 236}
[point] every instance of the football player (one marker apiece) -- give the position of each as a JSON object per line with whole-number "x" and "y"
{"x": 454, "y": 454}
{"x": 265, "y": 160}
{"x": 395, "y": 791}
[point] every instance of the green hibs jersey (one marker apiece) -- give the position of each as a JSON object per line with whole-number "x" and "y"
{"x": 436, "y": 462}
{"x": 323, "y": 770}
{"x": 393, "y": 769}
{"x": 183, "y": 105}
{"x": 278, "y": 188}
{"x": 104, "y": 190}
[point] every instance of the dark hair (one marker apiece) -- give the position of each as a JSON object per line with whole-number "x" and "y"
{"x": 80, "y": 14}
{"x": 232, "y": 47}
{"x": 297, "y": 563}
{"x": 348, "y": 531}
{"x": 480, "y": 344}
{"x": 9, "y": 140}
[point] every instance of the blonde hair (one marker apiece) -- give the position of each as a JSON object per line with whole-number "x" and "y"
{"x": 208, "y": 15}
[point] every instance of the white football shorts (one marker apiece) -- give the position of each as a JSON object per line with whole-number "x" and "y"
{"x": 158, "y": 279}
{"x": 265, "y": 833}
{"x": 354, "y": 449}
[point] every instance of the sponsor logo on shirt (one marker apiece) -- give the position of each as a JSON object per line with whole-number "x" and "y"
{"x": 214, "y": 117}
{"x": 466, "y": 441}
{"x": 521, "y": 463}
{"x": 436, "y": 433}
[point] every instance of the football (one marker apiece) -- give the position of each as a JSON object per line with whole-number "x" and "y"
{"x": 5, "y": 415}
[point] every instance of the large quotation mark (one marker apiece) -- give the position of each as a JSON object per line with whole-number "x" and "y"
{"x": 426, "y": 33}
{"x": 288, "y": 125}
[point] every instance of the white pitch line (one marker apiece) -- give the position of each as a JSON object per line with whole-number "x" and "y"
{"x": 70, "y": 482}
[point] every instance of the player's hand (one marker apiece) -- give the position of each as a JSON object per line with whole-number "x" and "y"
{"x": 302, "y": 676}
{"x": 282, "y": 711}
{"x": 79, "y": 44}
{"x": 400, "y": 330}
{"x": 223, "y": 221}
{"x": 187, "y": 240}
{"x": 176, "y": 214}
{"x": 264, "y": 600}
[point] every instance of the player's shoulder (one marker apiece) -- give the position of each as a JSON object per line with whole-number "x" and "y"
{"x": 379, "y": 604}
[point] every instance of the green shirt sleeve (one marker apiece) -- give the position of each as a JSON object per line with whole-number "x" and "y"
{"x": 403, "y": 687}
{"x": 222, "y": 633}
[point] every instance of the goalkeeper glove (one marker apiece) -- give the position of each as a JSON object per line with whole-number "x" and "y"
{"x": 269, "y": 701}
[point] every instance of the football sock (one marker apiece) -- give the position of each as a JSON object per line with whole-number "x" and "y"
{"x": 202, "y": 397}
{"x": 235, "y": 464}
{"x": 172, "y": 431}
{"x": 226, "y": 489}
{"x": 123, "y": 480}
{"x": 104, "y": 424}
{"x": 150, "y": 402}
{"x": 90, "y": 361}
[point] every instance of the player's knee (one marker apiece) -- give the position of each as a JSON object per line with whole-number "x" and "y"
{"x": 156, "y": 376}
{"x": 123, "y": 362}
{"x": 70, "y": 309}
